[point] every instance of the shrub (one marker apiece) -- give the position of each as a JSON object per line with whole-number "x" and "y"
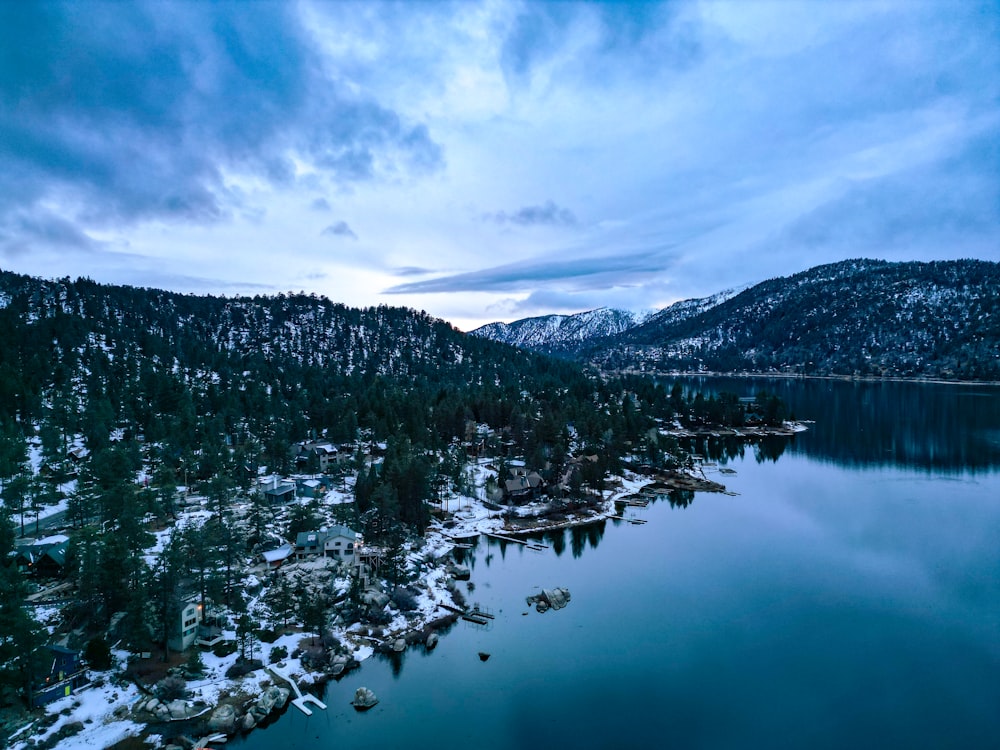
{"x": 404, "y": 598}
{"x": 195, "y": 665}
{"x": 171, "y": 688}
{"x": 266, "y": 635}
{"x": 243, "y": 667}
{"x": 224, "y": 649}
{"x": 278, "y": 653}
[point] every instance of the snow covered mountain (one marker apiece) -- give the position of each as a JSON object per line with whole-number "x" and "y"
{"x": 855, "y": 317}
{"x": 571, "y": 333}
{"x": 549, "y": 333}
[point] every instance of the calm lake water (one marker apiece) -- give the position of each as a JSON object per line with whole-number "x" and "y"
{"x": 849, "y": 595}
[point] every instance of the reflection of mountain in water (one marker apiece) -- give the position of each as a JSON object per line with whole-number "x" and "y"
{"x": 925, "y": 425}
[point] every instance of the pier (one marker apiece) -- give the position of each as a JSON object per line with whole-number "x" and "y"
{"x": 300, "y": 700}
{"x": 537, "y": 546}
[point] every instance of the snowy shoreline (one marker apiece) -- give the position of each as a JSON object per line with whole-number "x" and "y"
{"x": 112, "y": 710}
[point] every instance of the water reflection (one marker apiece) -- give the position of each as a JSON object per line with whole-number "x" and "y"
{"x": 680, "y": 498}
{"x": 858, "y": 423}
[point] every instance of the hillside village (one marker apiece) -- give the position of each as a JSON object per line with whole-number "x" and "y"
{"x": 315, "y": 597}
{"x": 212, "y": 504}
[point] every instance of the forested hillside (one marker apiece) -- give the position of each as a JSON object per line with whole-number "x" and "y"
{"x": 860, "y": 317}
{"x": 857, "y": 317}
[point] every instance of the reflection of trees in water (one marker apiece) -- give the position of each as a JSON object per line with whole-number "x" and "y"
{"x": 395, "y": 660}
{"x": 770, "y": 448}
{"x": 557, "y": 538}
{"x": 582, "y": 536}
{"x": 680, "y": 498}
{"x": 863, "y": 423}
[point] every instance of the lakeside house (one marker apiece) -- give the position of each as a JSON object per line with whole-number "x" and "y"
{"x": 186, "y": 632}
{"x": 338, "y": 542}
{"x": 523, "y": 485}
{"x": 65, "y": 673}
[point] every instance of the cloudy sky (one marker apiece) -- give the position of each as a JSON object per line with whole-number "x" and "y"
{"x": 493, "y": 160}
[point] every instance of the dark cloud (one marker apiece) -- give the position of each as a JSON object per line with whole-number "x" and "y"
{"x": 411, "y": 271}
{"x": 24, "y": 230}
{"x": 951, "y": 204}
{"x": 136, "y": 111}
{"x": 638, "y": 37}
{"x": 548, "y": 214}
{"x": 320, "y": 204}
{"x": 570, "y": 268}
{"x": 339, "y": 229}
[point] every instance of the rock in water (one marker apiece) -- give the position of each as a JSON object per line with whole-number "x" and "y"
{"x": 399, "y": 645}
{"x": 483, "y": 656}
{"x": 223, "y": 719}
{"x": 364, "y": 699}
{"x": 248, "y": 722}
{"x": 557, "y": 598}
{"x": 432, "y": 641}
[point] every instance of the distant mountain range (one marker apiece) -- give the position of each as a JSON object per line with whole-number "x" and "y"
{"x": 856, "y": 317}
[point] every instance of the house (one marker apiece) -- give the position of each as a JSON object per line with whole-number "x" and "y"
{"x": 523, "y": 485}
{"x": 277, "y": 491}
{"x": 62, "y": 674}
{"x": 45, "y": 558}
{"x": 314, "y": 487}
{"x": 338, "y": 542}
{"x": 276, "y": 557}
{"x": 210, "y": 629}
{"x": 323, "y": 454}
{"x": 341, "y": 543}
{"x": 188, "y": 621}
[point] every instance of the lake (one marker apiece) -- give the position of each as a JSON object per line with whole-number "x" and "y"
{"x": 848, "y": 595}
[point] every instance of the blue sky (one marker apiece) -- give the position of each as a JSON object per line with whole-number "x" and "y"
{"x": 493, "y": 160}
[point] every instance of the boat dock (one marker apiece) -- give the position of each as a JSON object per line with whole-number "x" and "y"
{"x": 537, "y": 546}
{"x": 300, "y": 700}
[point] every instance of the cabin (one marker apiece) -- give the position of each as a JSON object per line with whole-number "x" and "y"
{"x": 314, "y": 487}
{"x": 275, "y": 558}
{"x": 277, "y": 491}
{"x": 63, "y": 673}
{"x": 523, "y": 485}
{"x": 45, "y": 558}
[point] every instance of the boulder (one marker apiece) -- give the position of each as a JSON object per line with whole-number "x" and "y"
{"x": 364, "y": 699}
{"x": 223, "y": 719}
{"x": 558, "y": 598}
{"x": 399, "y": 645}
{"x": 280, "y": 695}
{"x": 375, "y": 599}
{"x": 247, "y": 723}
{"x": 178, "y": 709}
{"x": 338, "y": 664}
{"x": 432, "y": 641}
{"x": 266, "y": 702}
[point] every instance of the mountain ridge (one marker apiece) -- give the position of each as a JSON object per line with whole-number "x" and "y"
{"x": 858, "y": 317}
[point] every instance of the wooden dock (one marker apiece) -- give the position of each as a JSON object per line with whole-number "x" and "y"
{"x": 635, "y": 521}
{"x": 537, "y": 546}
